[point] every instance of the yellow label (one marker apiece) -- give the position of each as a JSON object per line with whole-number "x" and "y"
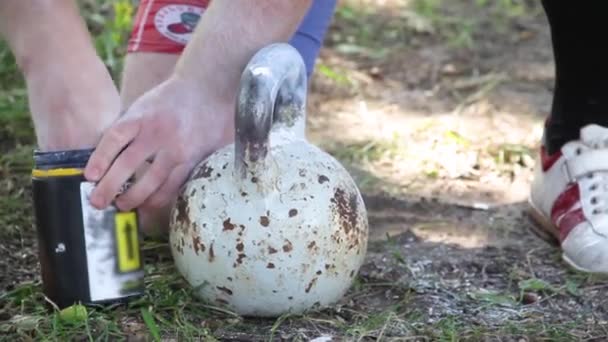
{"x": 56, "y": 172}
{"x": 127, "y": 242}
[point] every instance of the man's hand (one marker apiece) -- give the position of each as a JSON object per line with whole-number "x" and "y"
{"x": 192, "y": 114}
{"x": 177, "y": 126}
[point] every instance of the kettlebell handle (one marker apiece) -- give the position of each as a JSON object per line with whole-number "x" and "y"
{"x": 271, "y": 95}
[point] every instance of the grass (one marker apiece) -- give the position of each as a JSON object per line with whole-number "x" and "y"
{"x": 110, "y": 23}
{"x": 386, "y": 25}
{"x": 167, "y": 309}
{"x": 368, "y": 151}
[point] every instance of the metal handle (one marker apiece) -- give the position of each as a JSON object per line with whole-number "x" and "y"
{"x": 272, "y": 94}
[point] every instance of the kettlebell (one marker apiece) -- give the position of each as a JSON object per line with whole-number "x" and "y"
{"x": 270, "y": 224}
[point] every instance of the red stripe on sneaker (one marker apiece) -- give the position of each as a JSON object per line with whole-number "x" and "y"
{"x": 548, "y": 160}
{"x": 565, "y": 202}
{"x": 567, "y": 212}
{"x": 569, "y": 221}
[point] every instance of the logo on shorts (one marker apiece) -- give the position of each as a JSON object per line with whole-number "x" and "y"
{"x": 177, "y": 22}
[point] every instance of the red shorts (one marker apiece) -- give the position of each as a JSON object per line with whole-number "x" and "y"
{"x": 165, "y": 26}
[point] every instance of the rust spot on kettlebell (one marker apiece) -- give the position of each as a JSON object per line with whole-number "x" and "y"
{"x": 239, "y": 259}
{"x": 323, "y": 179}
{"x": 270, "y": 265}
{"x": 271, "y": 250}
{"x": 346, "y": 206}
{"x": 264, "y": 221}
{"x": 312, "y": 244}
{"x": 293, "y": 212}
{"x": 203, "y": 172}
{"x": 228, "y": 225}
{"x": 240, "y": 246}
{"x": 287, "y": 247}
{"x": 311, "y": 284}
{"x": 224, "y": 289}
{"x": 182, "y": 211}
{"x": 197, "y": 245}
{"x": 211, "y": 253}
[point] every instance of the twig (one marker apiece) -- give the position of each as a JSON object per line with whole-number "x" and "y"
{"x": 530, "y": 261}
{"x": 218, "y": 309}
{"x": 52, "y": 303}
{"x": 277, "y": 324}
{"x": 388, "y": 320}
{"x": 320, "y": 320}
{"x": 477, "y": 81}
{"x": 489, "y": 82}
{"x": 595, "y": 287}
{"x": 369, "y": 294}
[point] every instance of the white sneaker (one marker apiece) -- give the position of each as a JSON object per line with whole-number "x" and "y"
{"x": 569, "y": 199}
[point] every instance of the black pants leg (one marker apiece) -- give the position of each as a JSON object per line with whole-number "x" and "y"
{"x": 580, "y": 41}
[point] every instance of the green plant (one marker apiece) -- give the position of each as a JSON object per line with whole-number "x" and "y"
{"x": 110, "y": 23}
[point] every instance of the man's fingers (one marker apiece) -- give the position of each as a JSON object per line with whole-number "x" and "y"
{"x": 152, "y": 179}
{"x": 169, "y": 190}
{"x": 121, "y": 170}
{"x": 112, "y": 143}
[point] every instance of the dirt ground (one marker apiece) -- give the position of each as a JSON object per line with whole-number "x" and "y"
{"x": 437, "y": 111}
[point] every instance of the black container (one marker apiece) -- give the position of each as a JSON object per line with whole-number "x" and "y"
{"x": 86, "y": 255}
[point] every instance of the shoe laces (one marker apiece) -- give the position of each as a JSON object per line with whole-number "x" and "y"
{"x": 597, "y": 181}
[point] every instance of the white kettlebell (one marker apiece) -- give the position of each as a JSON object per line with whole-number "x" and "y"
{"x": 270, "y": 224}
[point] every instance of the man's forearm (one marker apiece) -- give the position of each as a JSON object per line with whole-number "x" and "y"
{"x": 228, "y": 36}
{"x": 72, "y": 98}
{"x": 46, "y": 32}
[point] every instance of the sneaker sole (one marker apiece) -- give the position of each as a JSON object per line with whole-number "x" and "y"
{"x": 546, "y": 230}
{"x": 542, "y": 227}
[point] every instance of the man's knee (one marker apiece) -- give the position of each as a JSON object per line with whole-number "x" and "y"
{"x": 310, "y": 35}
{"x": 142, "y": 72}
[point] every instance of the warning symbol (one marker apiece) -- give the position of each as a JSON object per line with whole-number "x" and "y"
{"x": 127, "y": 242}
